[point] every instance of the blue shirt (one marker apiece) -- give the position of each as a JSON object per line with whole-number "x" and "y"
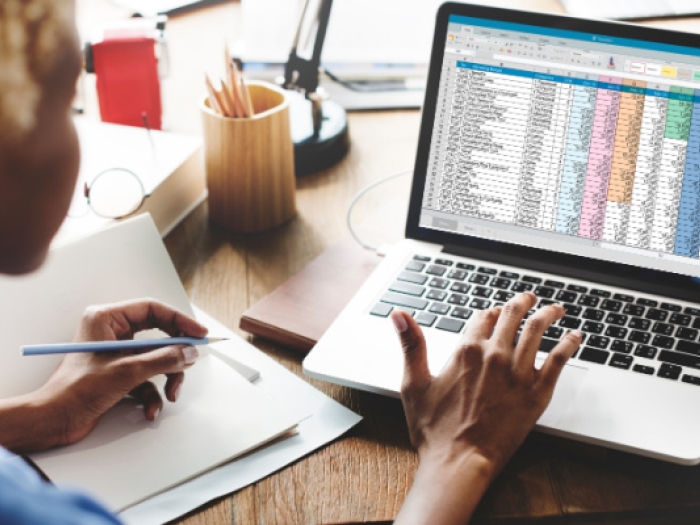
{"x": 26, "y": 499}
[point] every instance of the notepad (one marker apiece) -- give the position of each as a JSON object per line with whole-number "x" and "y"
{"x": 127, "y": 459}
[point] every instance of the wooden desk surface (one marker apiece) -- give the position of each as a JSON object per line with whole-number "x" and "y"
{"x": 365, "y": 475}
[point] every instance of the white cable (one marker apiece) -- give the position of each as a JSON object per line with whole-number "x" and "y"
{"x": 357, "y": 197}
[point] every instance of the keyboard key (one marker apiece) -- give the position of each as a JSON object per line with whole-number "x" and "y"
{"x": 415, "y": 266}
{"x": 598, "y": 341}
{"x": 670, "y": 307}
{"x": 426, "y": 319}
{"x": 543, "y": 291}
{"x": 696, "y": 322}
{"x": 576, "y": 288}
{"x": 617, "y": 319}
{"x": 531, "y": 279}
{"x": 381, "y": 310}
{"x": 509, "y": 275}
{"x": 521, "y": 287}
{"x": 572, "y": 309}
{"x": 669, "y": 371}
{"x": 480, "y": 304}
{"x": 592, "y": 327}
{"x": 444, "y": 262}
{"x": 457, "y": 275}
{"x": 688, "y": 347}
{"x": 465, "y": 266}
{"x": 546, "y": 344}
{"x": 409, "y": 311}
{"x": 691, "y": 361}
{"x": 593, "y": 314}
{"x": 663, "y": 342}
{"x": 616, "y": 332}
{"x": 588, "y": 300}
{"x": 554, "y": 284}
{"x": 462, "y": 313}
{"x": 611, "y": 306}
{"x": 436, "y": 270}
{"x": 566, "y": 297}
{"x": 621, "y": 361}
{"x": 411, "y": 277}
{"x": 480, "y": 291}
{"x": 633, "y": 309}
{"x": 693, "y": 380}
{"x": 439, "y": 283}
{"x": 500, "y": 283}
{"x": 645, "y": 351}
{"x": 554, "y": 331}
{"x": 487, "y": 270}
{"x": 657, "y": 315}
{"x": 407, "y": 288}
{"x": 649, "y": 370}
{"x": 503, "y": 296}
{"x": 439, "y": 308}
{"x": 478, "y": 278}
{"x": 404, "y": 300}
{"x": 570, "y": 322}
{"x": 460, "y": 288}
{"x": 599, "y": 293}
{"x": 450, "y": 325}
{"x": 679, "y": 319}
{"x": 624, "y": 298}
{"x": 639, "y": 337}
{"x": 436, "y": 295}
{"x": 544, "y": 302}
{"x": 640, "y": 324}
{"x": 422, "y": 258}
{"x": 687, "y": 333}
{"x": 692, "y": 311}
{"x": 458, "y": 299}
{"x": 662, "y": 328}
{"x": 647, "y": 302}
{"x": 622, "y": 346}
{"x": 594, "y": 355}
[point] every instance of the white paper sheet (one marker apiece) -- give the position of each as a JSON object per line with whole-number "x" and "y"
{"x": 328, "y": 421}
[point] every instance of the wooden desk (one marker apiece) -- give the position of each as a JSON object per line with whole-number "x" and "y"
{"x": 365, "y": 475}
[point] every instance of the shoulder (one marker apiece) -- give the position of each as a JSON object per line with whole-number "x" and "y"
{"x": 21, "y": 489}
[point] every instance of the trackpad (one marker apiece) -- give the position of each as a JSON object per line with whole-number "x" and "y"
{"x": 565, "y": 392}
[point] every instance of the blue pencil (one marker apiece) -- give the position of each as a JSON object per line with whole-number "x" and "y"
{"x": 117, "y": 346}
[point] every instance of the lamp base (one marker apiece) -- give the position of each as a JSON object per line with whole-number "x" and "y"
{"x": 316, "y": 153}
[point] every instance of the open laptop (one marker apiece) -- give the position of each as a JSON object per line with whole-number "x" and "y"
{"x": 560, "y": 156}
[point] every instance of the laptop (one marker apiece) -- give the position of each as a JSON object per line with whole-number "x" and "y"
{"x": 559, "y": 156}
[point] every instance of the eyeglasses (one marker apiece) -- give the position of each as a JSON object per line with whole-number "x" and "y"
{"x": 113, "y": 194}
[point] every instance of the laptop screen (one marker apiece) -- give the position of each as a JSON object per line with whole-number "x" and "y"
{"x": 567, "y": 141}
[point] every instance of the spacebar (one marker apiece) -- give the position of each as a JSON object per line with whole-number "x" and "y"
{"x": 675, "y": 358}
{"x": 404, "y": 300}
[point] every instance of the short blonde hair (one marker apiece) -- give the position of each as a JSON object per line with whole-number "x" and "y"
{"x": 32, "y": 33}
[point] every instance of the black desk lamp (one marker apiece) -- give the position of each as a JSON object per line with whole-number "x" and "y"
{"x": 319, "y": 126}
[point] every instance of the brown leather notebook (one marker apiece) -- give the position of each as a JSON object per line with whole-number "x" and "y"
{"x": 298, "y": 313}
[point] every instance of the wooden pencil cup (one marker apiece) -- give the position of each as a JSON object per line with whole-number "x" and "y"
{"x": 249, "y": 163}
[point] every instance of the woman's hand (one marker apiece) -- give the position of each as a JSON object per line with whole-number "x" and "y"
{"x": 86, "y": 385}
{"x": 467, "y": 422}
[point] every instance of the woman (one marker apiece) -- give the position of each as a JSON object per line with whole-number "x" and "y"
{"x": 465, "y": 423}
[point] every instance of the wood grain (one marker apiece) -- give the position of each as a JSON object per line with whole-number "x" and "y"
{"x": 365, "y": 475}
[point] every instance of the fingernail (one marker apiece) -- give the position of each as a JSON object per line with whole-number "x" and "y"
{"x": 156, "y": 414}
{"x": 400, "y": 323}
{"x": 577, "y": 333}
{"x": 176, "y": 394}
{"x": 191, "y": 354}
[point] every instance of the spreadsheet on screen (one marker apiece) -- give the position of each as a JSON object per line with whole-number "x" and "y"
{"x": 582, "y": 143}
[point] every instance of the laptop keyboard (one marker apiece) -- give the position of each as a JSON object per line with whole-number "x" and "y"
{"x": 623, "y": 330}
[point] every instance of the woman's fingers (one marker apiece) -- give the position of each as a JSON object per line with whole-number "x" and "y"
{"x": 512, "y": 314}
{"x": 415, "y": 373}
{"x": 173, "y": 386}
{"x": 533, "y": 330}
{"x": 557, "y": 358}
{"x": 148, "y": 394}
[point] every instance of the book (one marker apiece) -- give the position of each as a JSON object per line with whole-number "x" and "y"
{"x": 169, "y": 165}
{"x": 127, "y": 459}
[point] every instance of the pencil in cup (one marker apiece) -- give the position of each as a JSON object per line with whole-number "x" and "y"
{"x": 233, "y": 99}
